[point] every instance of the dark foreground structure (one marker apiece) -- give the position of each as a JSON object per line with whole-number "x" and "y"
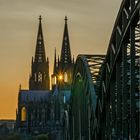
{"x": 98, "y": 97}
{"x": 40, "y": 110}
{"x": 105, "y": 100}
{"x": 6, "y": 127}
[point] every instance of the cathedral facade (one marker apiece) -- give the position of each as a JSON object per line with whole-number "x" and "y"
{"x": 40, "y": 109}
{"x": 34, "y": 105}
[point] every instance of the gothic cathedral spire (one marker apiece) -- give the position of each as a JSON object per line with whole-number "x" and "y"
{"x": 55, "y": 63}
{"x": 40, "y": 50}
{"x": 39, "y": 79}
{"x": 66, "y": 65}
{"x": 65, "y": 51}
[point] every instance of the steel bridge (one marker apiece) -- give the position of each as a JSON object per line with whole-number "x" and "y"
{"x": 105, "y": 101}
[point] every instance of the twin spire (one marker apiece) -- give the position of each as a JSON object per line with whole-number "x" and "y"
{"x": 39, "y": 79}
{"x": 63, "y": 67}
{"x": 65, "y": 57}
{"x": 65, "y": 51}
{"x": 40, "y": 49}
{"x": 55, "y": 63}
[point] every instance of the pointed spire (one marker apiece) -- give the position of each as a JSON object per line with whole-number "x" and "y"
{"x": 58, "y": 63}
{"x": 55, "y": 67}
{"x": 73, "y": 59}
{"x": 58, "y": 58}
{"x": 47, "y": 59}
{"x": 20, "y": 87}
{"x": 65, "y": 51}
{"x": 32, "y": 60}
{"x": 66, "y": 19}
{"x": 40, "y": 49}
{"x": 40, "y": 18}
{"x": 39, "y": 67}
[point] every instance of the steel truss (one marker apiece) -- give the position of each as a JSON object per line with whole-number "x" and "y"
{"x": 120, "y": 96}
{"x": 105, "y": 102}
{"x": 83, "y": 101}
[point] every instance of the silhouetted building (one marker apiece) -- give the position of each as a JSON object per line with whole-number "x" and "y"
{"x": 41, "y": 110}
{"x": 34, "y": 111}
{"x": 39, "y": 79}
{"x": 63, "y": 67}
{"x": 34, "y": 105}
{"x": 6, "y": 127}
{"x": 62, "y": 80}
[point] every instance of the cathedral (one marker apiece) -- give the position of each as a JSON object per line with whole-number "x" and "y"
{"x": 41, "y": 110}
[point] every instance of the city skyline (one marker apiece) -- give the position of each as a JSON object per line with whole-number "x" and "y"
{"x": 89, "y": 31}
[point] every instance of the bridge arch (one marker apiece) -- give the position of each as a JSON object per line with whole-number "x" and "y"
{"x": 84, "y": 97}
{"x": 110, "y": 92}
{"x": 119, "y": 88}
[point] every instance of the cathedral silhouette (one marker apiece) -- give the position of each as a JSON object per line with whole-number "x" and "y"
{"x": 41, "y": 110}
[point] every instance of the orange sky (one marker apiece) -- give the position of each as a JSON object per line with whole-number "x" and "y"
{"x": 90, "y": 25}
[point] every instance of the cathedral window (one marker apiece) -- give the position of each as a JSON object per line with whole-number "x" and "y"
{"x": 39, "y": 77}
{"x": 35, "y": 77}
{"x": 65, "y": 43}
{"x": 44, "y": 75}
{"x": 40, "y": 59}
{"x": 23, "y": 114}
{"x": 54, "y": 80}
{"x": 65, "y": 77}
{"x": 39, "y": 37}
{"x": 65, "y": 38}
{"x": 40, "y": 42}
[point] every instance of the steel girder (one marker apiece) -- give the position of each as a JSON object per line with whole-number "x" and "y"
{"x": 85, "y": 84}
{"x": 107, "y": 105}
{"x": 120, "y": 79}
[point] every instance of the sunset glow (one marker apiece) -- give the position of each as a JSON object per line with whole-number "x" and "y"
{"x": 89, "y": 31}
